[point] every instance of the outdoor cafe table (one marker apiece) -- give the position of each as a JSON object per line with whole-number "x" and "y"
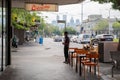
{"x": 80, "y": 56}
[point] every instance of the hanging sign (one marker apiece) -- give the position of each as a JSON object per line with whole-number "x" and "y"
{"x": 41, "y": 7}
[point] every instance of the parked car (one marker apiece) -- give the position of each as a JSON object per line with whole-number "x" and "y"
{"x": 83, "y": 38}
{"x": 74, "y": 38}
{"x": 102, "y": 37}
{"x": 58, "y": 38}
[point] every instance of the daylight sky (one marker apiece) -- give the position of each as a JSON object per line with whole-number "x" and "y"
{"x": 89, "y": 8}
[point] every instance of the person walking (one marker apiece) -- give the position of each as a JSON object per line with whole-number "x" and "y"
{"x": 15, "y": 41}
{"x": 66, "y": 46}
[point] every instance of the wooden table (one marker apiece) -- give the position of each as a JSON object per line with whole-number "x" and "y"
{"x": 80, "y": 56}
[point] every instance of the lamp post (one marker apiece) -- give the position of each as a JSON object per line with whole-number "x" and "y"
{"x": 82, "y": 4}
{"x": 81, "y": 12}
{"x": 109, "y": 25}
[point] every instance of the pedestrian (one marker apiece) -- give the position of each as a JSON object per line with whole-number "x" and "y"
{"x": 66, "y": 46}
{"x": 15, "y": 41}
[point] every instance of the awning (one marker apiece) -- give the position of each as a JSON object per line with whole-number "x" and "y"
{"x": 21, "y": 3}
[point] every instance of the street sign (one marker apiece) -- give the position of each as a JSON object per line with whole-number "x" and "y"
{"x": 61, "y": 21}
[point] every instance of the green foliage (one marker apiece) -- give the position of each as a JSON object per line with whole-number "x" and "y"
{"x": 101, "y": 25}
{"x": 116, "y": 40}
{"x": 115, "y": 5}
{"x": 50, "y": 29}
{"x": 22, "y": 19}
{"x": 116, "y": 26}
{"x": 102, "y": 1}
{"x": 56, "y": 30}
{"x": 70, "y": 30}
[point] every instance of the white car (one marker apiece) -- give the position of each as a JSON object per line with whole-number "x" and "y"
{"x": 84, "y": 38}
{"x": 102, "y": 37}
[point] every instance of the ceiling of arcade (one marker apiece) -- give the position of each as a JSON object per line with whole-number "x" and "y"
{"x": 21, "y": 3}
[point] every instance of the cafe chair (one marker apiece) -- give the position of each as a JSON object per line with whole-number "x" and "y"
{"x": 82, "y": 52}
{"x": 72, "y": 54}
{"x": 92, "y": 63}
{"x": 80, "y": 56}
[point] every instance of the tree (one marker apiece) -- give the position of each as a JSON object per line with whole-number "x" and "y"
{"x": 22, "y": 19}
{"x": 101, "y": 25}
{"x": 115, "y": 5}
{"x": 116, "y": 26}
{"x": 70, "y": 30}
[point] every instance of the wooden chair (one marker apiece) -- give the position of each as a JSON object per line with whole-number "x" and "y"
{"x": 92, "y": 63}
{"x": 80, "y": 56}
{"x": 72, "y": 54}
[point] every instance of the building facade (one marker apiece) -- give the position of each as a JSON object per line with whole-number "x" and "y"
{"x": 89, "y": 24}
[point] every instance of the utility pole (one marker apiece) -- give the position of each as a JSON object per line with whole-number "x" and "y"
{"x": 82, "y": 4}
{"x": 109, "y": 25}
{"x": 81, "y": 27}
{"x": 81, "y": 12}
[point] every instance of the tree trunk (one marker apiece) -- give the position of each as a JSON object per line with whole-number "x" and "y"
{"x": 20, "y": 34}
{"x": 119, "y": 45}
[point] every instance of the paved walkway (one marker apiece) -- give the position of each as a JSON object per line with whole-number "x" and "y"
{"x": 44, "y": 62}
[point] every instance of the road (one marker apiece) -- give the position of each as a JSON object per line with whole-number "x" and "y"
{"x": 49, "y": 48}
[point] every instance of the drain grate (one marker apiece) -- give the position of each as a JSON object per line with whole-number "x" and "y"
{"x": 47, "y": 48}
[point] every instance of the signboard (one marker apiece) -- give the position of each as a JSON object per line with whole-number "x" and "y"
{"x": 41, "y": 7}
{"x": 61, "y": 21}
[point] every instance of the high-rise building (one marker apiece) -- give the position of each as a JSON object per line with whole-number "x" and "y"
{"x": 72, "y": 23}
{"x": 57, "y": 17}
{"x": 65, "y": 17}
{"x": 77, "y": 22}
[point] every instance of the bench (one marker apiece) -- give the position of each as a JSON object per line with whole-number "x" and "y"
{"x": 115, "y": 57}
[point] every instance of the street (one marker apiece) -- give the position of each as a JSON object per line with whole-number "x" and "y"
{"x": 49, "y": 48}
{"x": 33, "y": 61}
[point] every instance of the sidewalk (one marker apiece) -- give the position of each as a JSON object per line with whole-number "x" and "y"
{"x": 33, "y": 61}
{"x": 105, "y": 70}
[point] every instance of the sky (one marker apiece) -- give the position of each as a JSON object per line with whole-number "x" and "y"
{"x": 89, "y": 8}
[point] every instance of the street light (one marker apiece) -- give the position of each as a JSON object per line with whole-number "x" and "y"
{"x": 109, "y": 20}
{"x": 82, "y": 14}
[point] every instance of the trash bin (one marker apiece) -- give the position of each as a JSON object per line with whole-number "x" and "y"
{"x": 41, "y": 40}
